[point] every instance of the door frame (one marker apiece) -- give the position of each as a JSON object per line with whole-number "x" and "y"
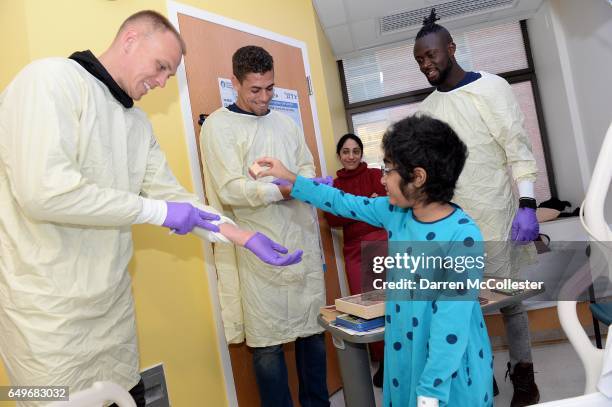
{"x": 174, "y": 8}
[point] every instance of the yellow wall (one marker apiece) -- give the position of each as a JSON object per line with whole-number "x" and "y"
{"x": 174, "y": 313}
{"x": 15, "y": 41}
{"x": 335, "y": 102}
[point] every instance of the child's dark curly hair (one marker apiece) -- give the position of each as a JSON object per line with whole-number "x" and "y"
{"x": 422, "y": 141}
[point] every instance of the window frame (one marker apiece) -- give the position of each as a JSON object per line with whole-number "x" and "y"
{"x": 520, "y": 75}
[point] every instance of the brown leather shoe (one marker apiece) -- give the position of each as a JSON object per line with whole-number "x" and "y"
{"x": 526, "y": 392}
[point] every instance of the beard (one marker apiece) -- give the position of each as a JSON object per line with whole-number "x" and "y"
{"x": 443, "y": 74}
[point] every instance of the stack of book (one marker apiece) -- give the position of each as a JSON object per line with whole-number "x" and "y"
{"x": 361, "y": 312}
{"x": 359, "y": 324}
{"x": 367, "y": 305}
{"x": 329, "y": 313}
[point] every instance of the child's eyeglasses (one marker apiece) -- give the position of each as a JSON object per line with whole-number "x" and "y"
{"x": 386, "y": 170}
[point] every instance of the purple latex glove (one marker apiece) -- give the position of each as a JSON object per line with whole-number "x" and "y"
{"x": 525, "y": 226}
{"x": 182, "y": 217}
{"x": 281, "y": 182}
{"x": 270, "y": 252}
{"x": 329, "y": 180}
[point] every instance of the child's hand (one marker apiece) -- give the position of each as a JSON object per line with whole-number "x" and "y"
{"x": 275, "y": 169}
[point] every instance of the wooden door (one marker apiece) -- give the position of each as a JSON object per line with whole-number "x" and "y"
{"x": 210, "y": 47}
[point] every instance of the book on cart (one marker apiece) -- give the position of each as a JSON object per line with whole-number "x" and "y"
{"x": 359, "y": 324}
{"x": 368, "y": 305}
{"x": 329, "y": 313}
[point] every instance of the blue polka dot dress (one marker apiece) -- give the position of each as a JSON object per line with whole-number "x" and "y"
{"x": 434, "y": 347}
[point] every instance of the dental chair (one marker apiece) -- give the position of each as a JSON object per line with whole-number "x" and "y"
{"x": 602, "y": 312}
{"x": 597, "y": 390}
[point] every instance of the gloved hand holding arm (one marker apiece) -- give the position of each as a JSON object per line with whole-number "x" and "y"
{"x": 182, "y": 217}
{"x": 525, "y": 226}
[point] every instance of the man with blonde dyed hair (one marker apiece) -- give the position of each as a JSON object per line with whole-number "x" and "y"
{"x": 79, "y": 165}
{"x": 155, "y": 22}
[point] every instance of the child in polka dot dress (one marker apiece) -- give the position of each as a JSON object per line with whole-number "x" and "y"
{"x": 437, "y": 350}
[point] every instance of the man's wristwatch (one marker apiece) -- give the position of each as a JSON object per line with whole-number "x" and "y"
{"x": 527, "y": 203}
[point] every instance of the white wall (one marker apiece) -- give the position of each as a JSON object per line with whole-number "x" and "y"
{"x": 588, "y": 32}
{"x": 572, "y": 51}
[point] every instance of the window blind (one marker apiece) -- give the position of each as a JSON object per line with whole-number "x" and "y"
{"x": 392, "y": 70}
{"x": 370, "y": 127}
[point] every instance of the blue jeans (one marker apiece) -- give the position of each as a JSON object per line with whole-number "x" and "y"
{"x": 271, "y": 373}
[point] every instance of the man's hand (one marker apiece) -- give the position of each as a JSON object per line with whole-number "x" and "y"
{"x": 271, "y": 252}
{"x": 525, "y": 226}
{"x": 182, "y": 217}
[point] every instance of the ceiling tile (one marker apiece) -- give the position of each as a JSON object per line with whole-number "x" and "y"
{"x": 340, "y": 39}
{"x": 331, "y": 12}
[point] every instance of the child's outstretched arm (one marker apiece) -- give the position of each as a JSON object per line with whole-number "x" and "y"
{"x": 370, "y": 210}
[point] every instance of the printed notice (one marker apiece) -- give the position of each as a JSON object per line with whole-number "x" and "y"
{"x": 284, "y": 100}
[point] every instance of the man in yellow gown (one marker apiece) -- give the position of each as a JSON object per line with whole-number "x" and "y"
{"x": 270, "y": 305}
{"x": 79, "y": 165}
